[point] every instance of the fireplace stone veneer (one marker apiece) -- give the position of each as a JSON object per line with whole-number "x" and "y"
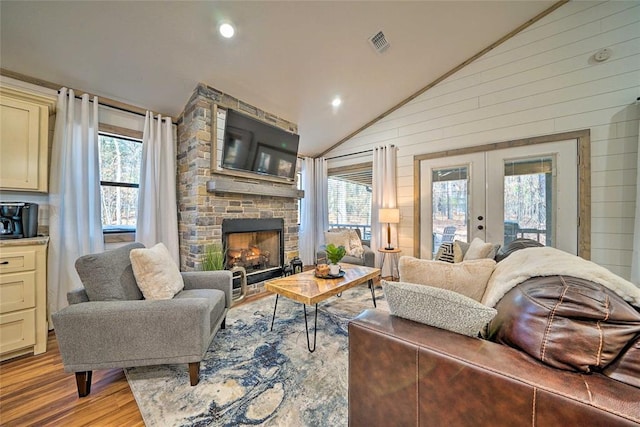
{"x": 201, "y": 211}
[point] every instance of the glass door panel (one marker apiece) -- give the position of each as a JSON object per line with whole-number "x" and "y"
{"x": 450, "y": 194}
{"x": 451, "y": 197}
{"x": 534, "y": 194}
{"x": 529, "y": 199}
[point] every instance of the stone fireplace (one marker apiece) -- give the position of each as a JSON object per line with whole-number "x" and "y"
{"x": 208, "y": 197}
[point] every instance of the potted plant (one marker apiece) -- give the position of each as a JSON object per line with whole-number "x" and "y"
{"x": 213, "y": 257}
{"x": 335, "y": 254}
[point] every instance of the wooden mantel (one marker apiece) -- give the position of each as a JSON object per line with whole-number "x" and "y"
{"x": 228, "y": 185}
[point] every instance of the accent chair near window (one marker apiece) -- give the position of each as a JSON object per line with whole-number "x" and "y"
{"x": 108, "y": 324}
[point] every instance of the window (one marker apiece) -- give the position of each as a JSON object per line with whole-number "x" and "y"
{"x": 120, "y": 160}
{"x": 349, "y": 198}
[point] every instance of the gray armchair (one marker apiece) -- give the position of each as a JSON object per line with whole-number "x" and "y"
{"x": 368, "y": 258}
{"x": 121, "y": 329}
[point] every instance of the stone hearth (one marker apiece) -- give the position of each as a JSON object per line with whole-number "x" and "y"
{"x": 202, "y": 210}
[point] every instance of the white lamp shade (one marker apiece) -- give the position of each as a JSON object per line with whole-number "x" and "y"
{"x": 389, "y": 215}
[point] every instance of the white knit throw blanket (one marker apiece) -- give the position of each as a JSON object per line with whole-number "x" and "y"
{"x": 545, "y": 261}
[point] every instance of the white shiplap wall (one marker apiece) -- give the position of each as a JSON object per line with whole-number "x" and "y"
{"x": 542, "y": 81}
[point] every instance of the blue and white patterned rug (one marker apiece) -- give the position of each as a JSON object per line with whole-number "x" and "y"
{"x": 254, "y": 376}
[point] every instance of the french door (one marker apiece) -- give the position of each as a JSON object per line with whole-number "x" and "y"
{"x": 500, "y": 195}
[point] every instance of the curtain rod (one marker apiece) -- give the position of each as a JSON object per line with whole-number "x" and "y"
{"x": 350, "y": 154}
{"x": 355, "y": 154}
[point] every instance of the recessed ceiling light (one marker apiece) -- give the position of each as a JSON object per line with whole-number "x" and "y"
{"x": 226, "y": 30}
{"x": 336, "y": 102}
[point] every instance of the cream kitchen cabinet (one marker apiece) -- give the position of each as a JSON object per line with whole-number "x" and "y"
{"x": 23, "y": 297}
{"x": 24, "y": 139}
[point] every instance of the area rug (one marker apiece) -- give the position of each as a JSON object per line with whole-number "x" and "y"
{"x": 254, "y": 376}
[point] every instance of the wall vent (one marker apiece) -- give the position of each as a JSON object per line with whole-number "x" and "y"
{"x": 379, "y": 42}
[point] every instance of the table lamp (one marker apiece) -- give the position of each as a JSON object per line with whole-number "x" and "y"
{"x": 390, "y": 216}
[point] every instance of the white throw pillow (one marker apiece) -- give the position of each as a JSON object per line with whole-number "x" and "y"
{"x": 478, "y": 249}
{"x": 468, "y": 278}
{"x": 437, "y": 307}
{"x": 156, "y": 273}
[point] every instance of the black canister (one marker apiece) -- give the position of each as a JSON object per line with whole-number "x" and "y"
{"x": 30, "y": 220}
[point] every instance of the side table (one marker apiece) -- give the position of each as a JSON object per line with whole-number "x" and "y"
{"x": 393, "y": 254}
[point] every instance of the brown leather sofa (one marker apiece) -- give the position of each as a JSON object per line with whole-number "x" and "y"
{"x": 404, "y": 373}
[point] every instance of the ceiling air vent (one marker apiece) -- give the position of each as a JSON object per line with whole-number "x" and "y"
{"x": 379, "y": 42}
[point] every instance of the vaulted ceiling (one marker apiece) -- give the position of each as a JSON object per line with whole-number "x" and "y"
{"x": 289, "y": 58}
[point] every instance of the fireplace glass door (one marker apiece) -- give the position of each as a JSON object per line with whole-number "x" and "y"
{"x": 255, "y": 251}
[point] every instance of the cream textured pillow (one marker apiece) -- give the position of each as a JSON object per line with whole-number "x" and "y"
{"x": 347, "y": 238}
{"x": 355, "y": 245}
{"x": 338, "y": 238}
{"x": 441, "y": 308}
{"x": 156, "y": 273}
{"x": 468, "y": 278}
{"x": 478, "y": 249}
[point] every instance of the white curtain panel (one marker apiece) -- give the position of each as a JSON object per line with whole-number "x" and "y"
{"x": 635, "y": 260}
{"x": 307, "y": 234}
{"x": 383, "y": 196}
{"x": 157, "y": 219}
{"x": 75, "y": 223}
{"x": 321, "y": 199}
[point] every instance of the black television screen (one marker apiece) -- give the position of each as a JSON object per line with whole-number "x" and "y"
{"x": 254, "y": 146}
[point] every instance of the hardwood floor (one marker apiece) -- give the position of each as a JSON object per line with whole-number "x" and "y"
{"x": 35, "y": 390}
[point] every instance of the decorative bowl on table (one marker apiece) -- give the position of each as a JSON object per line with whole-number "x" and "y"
{"x": 323, "y": 272}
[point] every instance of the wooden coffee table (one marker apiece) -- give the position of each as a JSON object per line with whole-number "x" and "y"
{"x": 308, "y": 289}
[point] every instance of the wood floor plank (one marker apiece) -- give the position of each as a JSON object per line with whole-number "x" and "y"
{"x": 35, "y": 390}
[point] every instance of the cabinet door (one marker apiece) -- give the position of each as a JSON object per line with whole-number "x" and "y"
{"x": 21, "y": 144}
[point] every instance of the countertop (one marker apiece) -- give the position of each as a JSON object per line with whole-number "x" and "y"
{"x": 39, "y": 240}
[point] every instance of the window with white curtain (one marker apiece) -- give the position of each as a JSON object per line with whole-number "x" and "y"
{"x": 349, "y": 198}
{"x": 120, "y": 160}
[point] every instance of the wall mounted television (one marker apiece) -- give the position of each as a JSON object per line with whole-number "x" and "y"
{"x": 254, "y": 146}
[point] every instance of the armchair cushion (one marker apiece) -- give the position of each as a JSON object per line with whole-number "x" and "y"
{"x": 216, "y": 279}
{"x": 215, "y": 299}
{"x": 108, "y": 276}
{"x": 155, "y": 271}
{"x": 115, "y": 334}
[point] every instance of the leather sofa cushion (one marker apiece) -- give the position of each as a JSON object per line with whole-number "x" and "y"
{"x": 515, "y": 245}
{"x": 565, "y": 322}
{"x": 626, "y": 368}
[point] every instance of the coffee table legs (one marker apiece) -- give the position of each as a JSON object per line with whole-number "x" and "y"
{"x": 274, "y": 311}
{"x": 306, "y": 326}
{"x": 373, "y": 293}
{"x": 315, "y": 317}
{"x": 315, "y": 327}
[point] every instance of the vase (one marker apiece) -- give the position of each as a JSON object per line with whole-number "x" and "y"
{"x": 334, "y": 269}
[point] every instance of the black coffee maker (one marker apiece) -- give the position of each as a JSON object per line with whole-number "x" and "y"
{"x": 18, "y": 220}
